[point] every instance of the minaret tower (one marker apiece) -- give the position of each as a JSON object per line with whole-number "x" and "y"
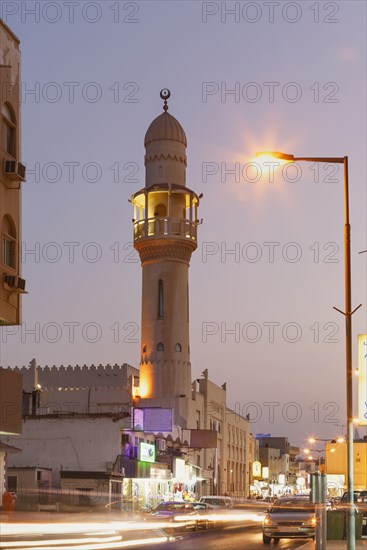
{"x": 165, "y": 235}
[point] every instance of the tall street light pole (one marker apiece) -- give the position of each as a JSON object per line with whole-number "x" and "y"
{"x": 351, "y": 535}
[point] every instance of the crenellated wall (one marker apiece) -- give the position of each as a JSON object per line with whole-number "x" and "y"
{"x": 76, "y": 376}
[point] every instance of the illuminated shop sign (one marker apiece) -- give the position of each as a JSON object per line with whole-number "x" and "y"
{"x": 256, "y": 469}
{"x": 362, "y": 379}
{"x": 147, "y": 452}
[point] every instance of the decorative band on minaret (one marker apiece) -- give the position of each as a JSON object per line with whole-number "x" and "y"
{"x": 165, "y": 235}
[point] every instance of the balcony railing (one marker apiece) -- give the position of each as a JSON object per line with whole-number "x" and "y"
{"x": 165, "y": 228}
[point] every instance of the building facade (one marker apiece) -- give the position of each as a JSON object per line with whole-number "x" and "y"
{"x": 80, "y": 421}
{"x": 279, "y": 459}
{"x": 336, "y": 462}
{"x": 12, "y": 173}
{"x": 10, "y": 419}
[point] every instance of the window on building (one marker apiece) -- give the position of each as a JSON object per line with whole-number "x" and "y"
{"x": 160, "y": 299}
{"x": 8, "y": 242}
{"x": 160, "y": 346}
{"x": 178, "y": 347}
{"x": 12, "y": 484}
{"x": 9, "y": 130}
{"x": 198, "y": 418}
{"x": 144, "y": 348}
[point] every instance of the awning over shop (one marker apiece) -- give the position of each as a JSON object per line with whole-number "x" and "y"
{"x": 137, "y": 469}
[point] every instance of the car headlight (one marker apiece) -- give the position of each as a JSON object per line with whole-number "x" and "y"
{"x": 268, "y": 522}
{"x": 310, "y": 523}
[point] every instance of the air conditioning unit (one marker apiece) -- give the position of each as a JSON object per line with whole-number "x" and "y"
{"x": 14, "y": 283}
{"x": 161, "y": 444}
{"x": 14, "y": 170}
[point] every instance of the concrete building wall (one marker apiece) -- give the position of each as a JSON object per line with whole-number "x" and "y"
{"x": 236, "y": 456}
{"x": 2, "y": 474}
{"x": 30, "y": 479}
{"x": 86, "y": 444}
{"x": 10, "y": 193}
{"x": 10, "y": 402}
{"x": 336, "y": 461}
{"x": 93, "y": 400}
{"x": 271, "y": 458}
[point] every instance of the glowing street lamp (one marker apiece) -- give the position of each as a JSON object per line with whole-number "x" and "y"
{"x": 314, "y": 439}
{"x": 348, "y": 326}
{"x": 307, "y": 451}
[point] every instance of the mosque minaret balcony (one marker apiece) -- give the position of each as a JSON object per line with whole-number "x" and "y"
{"x": 165, "y": 211}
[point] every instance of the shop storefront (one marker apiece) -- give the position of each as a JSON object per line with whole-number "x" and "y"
{"x": 185, "y": 479}
{"x": 146, "y": 485}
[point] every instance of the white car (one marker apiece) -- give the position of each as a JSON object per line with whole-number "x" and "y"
{"x": 218, "y": 501}
{"x": 289, "y": 518}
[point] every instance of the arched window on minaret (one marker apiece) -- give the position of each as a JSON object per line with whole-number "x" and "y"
{"x": 178, "y": 347}
{"x": 160, "y": 299}
{"x": 160, "y": 346}
{"x": 160, "y": 210}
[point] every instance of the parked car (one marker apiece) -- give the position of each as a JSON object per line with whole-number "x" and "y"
{"x": 202, "y": 506}
{"x": 170, "y": 511}
{"x": 204, "y": 510}
{"x": 217, "y": 501}
{"x": 289, "y": 517}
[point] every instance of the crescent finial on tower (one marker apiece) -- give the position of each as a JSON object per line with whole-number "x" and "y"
{"x": 165, "y": 94}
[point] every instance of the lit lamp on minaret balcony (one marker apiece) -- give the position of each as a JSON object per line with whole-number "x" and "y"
{"x": 165, "y": 222}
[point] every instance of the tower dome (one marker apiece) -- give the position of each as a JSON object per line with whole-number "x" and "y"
{"x": 165, "y": 149}
{"x": 166, "y": 127}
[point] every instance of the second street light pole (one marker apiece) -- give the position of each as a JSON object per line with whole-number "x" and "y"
{"x": 349, "y": 371}
{"x": 351, "y": 535}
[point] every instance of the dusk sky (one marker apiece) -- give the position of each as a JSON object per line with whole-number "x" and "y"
{"x": 284, "y": 76}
